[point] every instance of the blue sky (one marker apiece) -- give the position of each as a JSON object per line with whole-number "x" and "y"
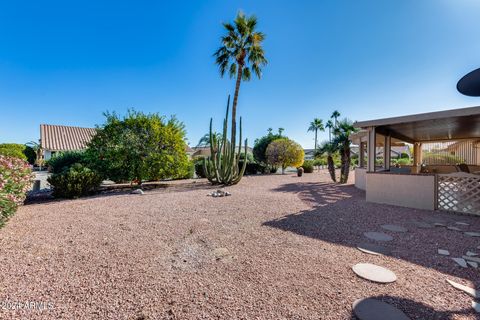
{"x": 66, "y": 62}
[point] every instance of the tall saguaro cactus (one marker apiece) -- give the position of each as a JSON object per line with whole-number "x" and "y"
{"x": 222, "y": 167}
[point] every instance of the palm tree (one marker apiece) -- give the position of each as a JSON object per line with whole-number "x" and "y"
{"x": 315, "y": 126}
{"x": 37, "y": 148}
{"x": 280, "y": 131}
{"x": 205, "y": 140}
{"x": 342, "y": 142}
{"x": 329, "y": 148}
{"x": 240, "y": 54}
{"x": 335, "y": 115}
{"x": 329, "y": 125}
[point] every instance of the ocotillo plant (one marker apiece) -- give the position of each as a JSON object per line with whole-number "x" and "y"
{"x": 222, "y": 167}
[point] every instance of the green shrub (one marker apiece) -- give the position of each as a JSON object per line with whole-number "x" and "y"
{"x": 14, "y": 150}
{"x": 139, "y": 147}
{"x": 62, "y": 161}
{"x": 404, "y": 155}
{"x": 200, "y": 168}
{"x": 190, "y": 172}
{"x": 74, "y": 182}
{"x": 15, "y": 179}
{"x": 404, "y": 161}
{"x": 320, "y": 161}
{"x": 307, "y": 166}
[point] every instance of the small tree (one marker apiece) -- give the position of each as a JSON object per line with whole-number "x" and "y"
{"x": 329, "y": 149}
{"x": 285, "y": 153}
{"x": 139, "y": 147}
{"x": 260, "y": 148}
{"x": 342, "y": 142}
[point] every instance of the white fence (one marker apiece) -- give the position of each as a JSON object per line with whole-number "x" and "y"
{"x": 459, "y": 192}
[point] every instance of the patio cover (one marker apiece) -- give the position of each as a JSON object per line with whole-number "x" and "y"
{"x": 433, "y": 126}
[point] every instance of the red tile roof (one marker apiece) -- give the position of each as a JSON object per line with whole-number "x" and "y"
{"x": 64, "y": 138}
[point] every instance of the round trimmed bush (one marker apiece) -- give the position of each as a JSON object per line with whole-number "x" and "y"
{"x": 74, "y": 182}
{"x": 307, "y": 166}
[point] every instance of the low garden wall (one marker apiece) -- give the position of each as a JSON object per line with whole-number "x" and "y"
{"x": 405, "y": 190}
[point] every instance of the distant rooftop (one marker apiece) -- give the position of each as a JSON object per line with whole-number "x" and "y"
{"x": 64, "y": 138}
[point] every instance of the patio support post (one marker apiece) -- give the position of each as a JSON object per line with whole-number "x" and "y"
{"x": 362, "y": 155}
{"x": 417, "y": 155}
{"x": 387, "y": 150}
{"x": 372, "y": 146}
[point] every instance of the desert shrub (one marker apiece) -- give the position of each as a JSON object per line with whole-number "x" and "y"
{"x": 307, "y": 166}
{"x": 404, "y": 155}
{"x": 15, "y": 179}
{"x": 403, "y": 161}
{"x": 190, "y": 172}
{"x": 75, "y": 181}
{"x": 200, "y": 168}
{"x": 14, "y": 150}
{"x": 61, "y": 161}
{"x": 284, "y": 153}
{"x": 139, "y": 147}
{"x": 260, "y": 147}
{"x": 320, "y": 161}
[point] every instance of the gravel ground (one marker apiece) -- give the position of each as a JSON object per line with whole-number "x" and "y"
{"x": 281, "y": 247}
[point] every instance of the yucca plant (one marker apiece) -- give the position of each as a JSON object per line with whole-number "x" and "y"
{"x": 222, "y": 166}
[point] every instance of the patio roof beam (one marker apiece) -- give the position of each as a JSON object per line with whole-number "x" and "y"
{"x": 388, "y": 132}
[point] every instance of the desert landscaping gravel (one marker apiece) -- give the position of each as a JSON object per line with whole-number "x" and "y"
{"x": 280, "y": 247}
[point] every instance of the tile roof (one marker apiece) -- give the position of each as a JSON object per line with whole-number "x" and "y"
{"x": 64, "y": 138}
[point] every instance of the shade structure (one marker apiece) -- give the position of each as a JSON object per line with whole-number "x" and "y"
{"x": 469, "y": 85}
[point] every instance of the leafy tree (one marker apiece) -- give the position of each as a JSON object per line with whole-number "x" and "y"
{"x": 285, "y": 153}
{"x": 260, "y": 148}
{"x": 241, "y": 53}
{"x": 330, "y": 126}
{"x": 342, "y": 142}
{"x": 315, "y": 126}
{"x": 139, "y": 147}
{"x": 329, "y": 149}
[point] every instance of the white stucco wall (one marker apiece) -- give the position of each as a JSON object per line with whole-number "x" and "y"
{"x": 360, "y": 176}
{"x": 412, "y": 191}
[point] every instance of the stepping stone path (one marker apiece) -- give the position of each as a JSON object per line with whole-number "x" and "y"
{"x": 443, "y": 252}
{"x": 461, "y": 262}
{"x": 373, "y": 309}
{"x": 422, "y": 225}
{"x": 378, "y": 236}
{"x": 373, "y": 249}
{"x": 473, "y": 234}
{"x": 471, "y": 291}
{"x": 394, "y": 228}
{"x": 454, "y": 228}
{"x": 474, "y": 259}
{"x": 439, "y": 224}
{"x": 476, "y": 306}
{"x": 374, "y": 273}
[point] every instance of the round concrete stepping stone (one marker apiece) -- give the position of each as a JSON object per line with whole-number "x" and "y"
{"x": 373, "y": 309}
{"x": 394, "y": 228}
{"x": 378, "y": 236}
{"x": 473, "y": 234}
{"x": 374, "y": 273}
{"x": 373, "y": 249}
